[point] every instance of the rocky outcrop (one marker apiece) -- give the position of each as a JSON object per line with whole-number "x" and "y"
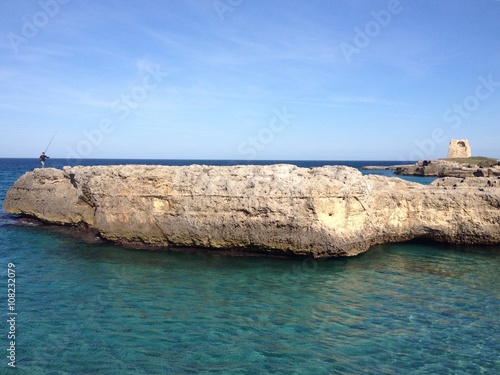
{"x": 449, "y": 168}
{"x": 466, "y": 167}
{"x": 320, "y": 212}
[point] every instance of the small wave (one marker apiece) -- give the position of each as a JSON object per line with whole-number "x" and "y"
{"x": 10, "y": 219}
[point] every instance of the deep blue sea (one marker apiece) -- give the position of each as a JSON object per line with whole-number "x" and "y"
{"x": 95, "y": 308}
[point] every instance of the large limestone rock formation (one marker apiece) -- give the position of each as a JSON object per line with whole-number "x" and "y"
{"x": 320, "y": 212}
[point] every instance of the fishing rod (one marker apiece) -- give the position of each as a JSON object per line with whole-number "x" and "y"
{"x": 51, "y": 139}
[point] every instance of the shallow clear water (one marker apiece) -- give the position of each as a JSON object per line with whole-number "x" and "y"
{"x": 102, "y": 309}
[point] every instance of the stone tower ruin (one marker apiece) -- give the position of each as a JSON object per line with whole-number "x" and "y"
{"x": 459, "y": 148}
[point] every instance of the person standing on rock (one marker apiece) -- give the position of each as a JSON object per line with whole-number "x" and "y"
{"x": 43, "y": 157}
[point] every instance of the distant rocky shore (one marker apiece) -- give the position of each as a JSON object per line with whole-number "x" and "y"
{"x": 278, "y": 209}
{"x": 466, "y": 167}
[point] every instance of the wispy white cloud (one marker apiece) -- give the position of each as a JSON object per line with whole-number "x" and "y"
{"x": 361, "y": 100}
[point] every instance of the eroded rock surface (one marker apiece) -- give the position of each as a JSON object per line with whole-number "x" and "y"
{"x": 447, "y": 168}
{"x": 320, "y": 212}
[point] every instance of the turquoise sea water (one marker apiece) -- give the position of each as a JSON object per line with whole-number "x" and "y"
{"x": 96, "y": 308}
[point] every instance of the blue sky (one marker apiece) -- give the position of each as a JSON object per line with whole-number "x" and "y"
{"x": 242, "y": 79}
